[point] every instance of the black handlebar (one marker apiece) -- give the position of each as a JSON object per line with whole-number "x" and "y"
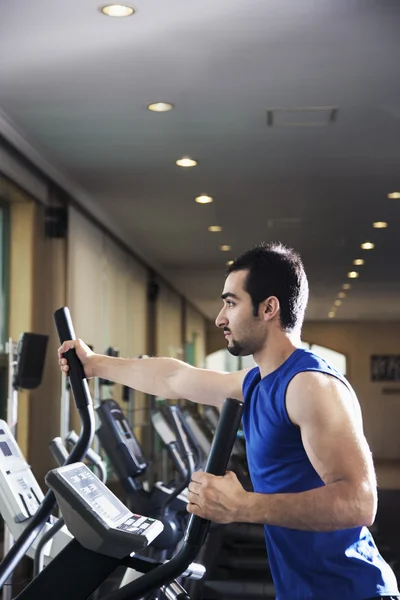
{"x": 65, "y": 330}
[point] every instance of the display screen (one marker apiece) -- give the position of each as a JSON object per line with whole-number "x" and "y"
{"x": 97, "y": 495}
{"x": 5, "y": 448}
{"x": 122, "y": 428}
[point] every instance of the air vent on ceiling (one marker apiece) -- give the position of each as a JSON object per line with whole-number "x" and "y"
{"x": 307, "y": 116}
{"x": 284, "y": 222}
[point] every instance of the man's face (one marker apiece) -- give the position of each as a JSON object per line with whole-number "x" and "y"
{"x": 244, "y": 332}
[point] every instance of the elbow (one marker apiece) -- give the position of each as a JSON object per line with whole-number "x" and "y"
{"x": 367, "y": 507}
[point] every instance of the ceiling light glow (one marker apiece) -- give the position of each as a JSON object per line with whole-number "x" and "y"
{"x": 186, "y": 161}
{"x": 394, "y": 196}
{"x": 346, "y": 286}
{"x": 117, "y": 10}
{"x": 367, "y": 246}
{"x": 331, "y": 314}
{"x": 204, "y": 199}
{"x": 353, "y": 275}
{"x": 160, "y": 106}
{"x": 337, "y": 303}
{"x": 225, "y": 248}
{"x": 229, "y": 263}
{"x": 380, "y": 224}
{"x": 215, "y": 228}
{"x": 342, "y": 295}
{"x": 358, "y": 261}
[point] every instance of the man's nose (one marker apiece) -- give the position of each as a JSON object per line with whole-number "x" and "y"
{"x": 221, "y": 320}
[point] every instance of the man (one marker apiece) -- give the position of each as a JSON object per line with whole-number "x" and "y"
{"x": 311, "y": 468}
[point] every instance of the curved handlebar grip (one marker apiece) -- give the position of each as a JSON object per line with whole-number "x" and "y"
{"x": 91, "y": 455}
{"x": 180, "y": 430}
{"x": 225, "y": 436}
{"x": 221, "y": 448}
{"x": 189, "y": 435}
{"x": 63, "y": 321}
{"x": 59, "y": 451}
{"x": 65, "y": 330}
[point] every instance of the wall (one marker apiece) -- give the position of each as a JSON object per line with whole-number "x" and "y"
{"x": 169, "y": 323}
{"x": 37, "y": 276}
{"x": 49, "y": 293}
{"x": 22, "y": 222}
{"x": 107, "y": 295}
{"x": 381, "y": 412}
{"x": 195, "y": 334}
{"x": 106, "y": 290}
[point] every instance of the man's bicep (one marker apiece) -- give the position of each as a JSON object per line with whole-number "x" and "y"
{"x": 330, "y": 423}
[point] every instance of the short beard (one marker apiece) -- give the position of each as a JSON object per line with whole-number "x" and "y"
{"x": 237, "y": 350}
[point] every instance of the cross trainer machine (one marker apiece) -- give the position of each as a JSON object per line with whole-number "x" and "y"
{"x": 83, "y": 402}
{"x": 107, "y": 532}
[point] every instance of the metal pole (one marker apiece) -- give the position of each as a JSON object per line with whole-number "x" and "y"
{"x": 96, "y": 403}
{"x": 12, "y": 418}
{"x": 64, "y": 408}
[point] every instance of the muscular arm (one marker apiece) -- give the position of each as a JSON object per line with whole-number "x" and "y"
{"x": 169, "y": 378}
{"x": 329, "y": 419}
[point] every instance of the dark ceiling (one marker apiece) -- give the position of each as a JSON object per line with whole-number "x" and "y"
{"x": 75, "y": 84}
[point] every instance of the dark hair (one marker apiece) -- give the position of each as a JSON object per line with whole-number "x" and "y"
{"x": 275, "y": 270}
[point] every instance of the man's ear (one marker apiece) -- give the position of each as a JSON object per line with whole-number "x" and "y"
{"x": 269, "y": 308}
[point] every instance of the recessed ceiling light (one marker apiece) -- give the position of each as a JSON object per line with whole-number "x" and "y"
{"x": 331, "y": 314}
{"x": 229, "y": 263}
{"x": 225, "y": 248}
{"x": 185, "y": 161}
{"x": 341, "y": 295}
{"x": 367, "y": 246}
{"x": 203, "y": 199}
{"x": 380, "y": 224}
{"x": 358, "y": 262}
{"x": 353, "y": 275}
{"x": 346, "y": 286}
{"x": 337, "y": 303}
{"x": 160, "y": 106}
{"x": 394, "y": 196}
{"x": 117, "y": 10}
{"x": 215, "y": 228}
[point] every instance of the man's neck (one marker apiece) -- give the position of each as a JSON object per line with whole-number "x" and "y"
{"x": 276, "y": 351}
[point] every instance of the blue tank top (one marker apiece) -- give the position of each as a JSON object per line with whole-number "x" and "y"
{"x": 305, "y": 565}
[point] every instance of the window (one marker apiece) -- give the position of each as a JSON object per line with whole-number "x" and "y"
{"x": 336, "y": 359}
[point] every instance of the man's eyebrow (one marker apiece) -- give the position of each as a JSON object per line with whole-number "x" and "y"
{"x": 229, "y": 295}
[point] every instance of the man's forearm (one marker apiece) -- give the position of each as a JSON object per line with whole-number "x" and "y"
{"x": 334, "y": 506}
{"x": 148, "y": 375}
{"x": 168, "y": 378}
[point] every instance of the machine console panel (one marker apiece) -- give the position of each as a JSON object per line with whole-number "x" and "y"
{"x": 92, "y": 506}
{"x": 119, "y": 441}
{"x": 20, "y": 494}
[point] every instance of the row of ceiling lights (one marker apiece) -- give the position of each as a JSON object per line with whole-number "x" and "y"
{"x": 358, "y": 262}
{"x": 186, "y": 162}
{"x": 120, "y": 10}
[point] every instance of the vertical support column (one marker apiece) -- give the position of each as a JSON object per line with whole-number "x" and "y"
{"x": 152, "y": 296}
{"x": 12, "y": 418}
